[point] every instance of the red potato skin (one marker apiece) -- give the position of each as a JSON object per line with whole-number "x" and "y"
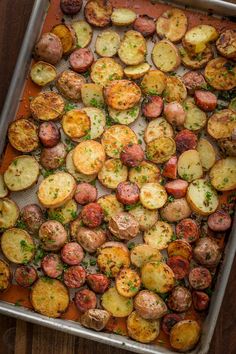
{"x": 81, "y": 60}
{"x": 132, "y": 155}
{"x": 52, "y": 265}
{"x": 205, "y": 100}
{"x": 185, "y": 140}
{"x": 188, "y": 230}
{"x": 49, "y": 48}
{"x": 25, "y": 275}
{"x": 90, "y": 239}
{"x": 200, "y": 300}
{"x": 170, "y": 168}
{"x": 127, "y": 193}
{"x": 99, "y": 283}
{"x": 33, "y": 217}
{"x": 175, "y": 114}
{"x": 72, "y": 253}
{"x": 85, "y": 300}
{"x": 145, "y": 25}
{"x": 52, "y": 235}
{"x": 74, "y": 277}
{"x": 152, "y": 107}
{"x": 200, "y": 278}
{"x": 85, "y": 193}
{"x": 193, "y": 81}
{"x": 148, "y": 305}
{"x": 92, "y": 215}
{"x": 71, "y": 7}
{"x": 168, "y": 321}
{"x": 179, "y": 265}
{"x": 219, "y": 221}
{"x": 49, "y": 134}
{"x": 177, "y": 188}
{"x": 207, "y": 252}
{"x": 52, "y": 158}
{"x": 180, "y": 299}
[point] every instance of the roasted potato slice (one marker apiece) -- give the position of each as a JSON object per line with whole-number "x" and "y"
{"x": 97, "y": 121}
{"x": 226, "y": 44}
{"x": 154, "y": 82}
{"x": 184, "y": 335}
{"x": 3, "y": 188}
{"x": 47, "y": 106}
{"x": 180, "y": 248}
{"x": 136, "y": 71}
{"x": 165, "y": 56}
{"x": 128, "y": 282}
{"x": 9, "y": 213}
{"x": 116, "y": 137}
{"x": 122, "y": 94}
{"x": 228, "y": 146}
{"x": 202, "y": 197}
{"x": 107, "y": 43}
{"x": 95, "y": 318}
{"x": 98, "y": 12}
{"x": 195, "y": 118}
{"x": 112, "y": 173}
{"x": 56, "y": 189}
{"x": 23, "y": 135}
{"x": 80, "y": 177}
{"x": 189, "y": 165}
{"x": 153, "y": 195}
{"x": 22, "y": 173}
{"x": 110, "y": 206}
{"x": 42, "y": 73}
{"x": 49, "y": 297}
{"x": 124, "y": 117}
{"x": 66, "y": 213}
{"x": 222, "y": 124}
{"x": 84, "y": 33}
{"x": 141, "y": 330}
{"x": 161, "y": 149}
{"x": 159, "y": 235}
{"x": 172, "y": 24}
{"x": 133, "y": 48}
{"x": 17, "y": 246}
{"x": 197, "y": 38}
{"x": 5, "y": 276}
{"x": 221, "y": 74}
{"x": 157, "y": 276}
{"x": 123, "y": 17}
{"x": 145, "y": 217}
{"x": 197, "y": 61}
{"x": 144, "y": 173}
{"x": 223, "y": 174}
{"x": 143, "y": 253}
{"x": 175, "y": 89}
{"x": 116, "y": 304}
{"x": 89, "y": 157}
{"x": 207, "y": 159}
{"x": 67, "y": 37}
{"x": 92, "y": 95}
{"x": 105, "y": 70}
{"x": 158, "y": 128}
{"x": 69, "y": 84}
{"x": 75, "y": 124}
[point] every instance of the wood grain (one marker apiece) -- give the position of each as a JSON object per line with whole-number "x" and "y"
{"x": 23, "y": 338}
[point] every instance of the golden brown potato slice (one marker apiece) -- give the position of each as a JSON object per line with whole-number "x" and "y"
{"x": 75, "y": 123}
{"x": 207, "y": 160}
{"x": 47, "y": 106}
{"x": 221, "y": 74}
{"x": 228, "y": 146}
{"x": 222, "y": 124}
{"x": 110, "y": 206}
{"x": 195, "y": 118}
{"x": 158, "y": 128}
{"x": 165, "y": 56}
{"x": 80, "y": 177}
{"x": 136, "y": 71}
{"x": 133, "y": 48}
{"x": 17, "y": 246}
{"x": 105, "y": 70}
{"x": 84, "y": 33}
{"x": 143, "y": 253}
{"x": 145, "y": 217}
{"x": 97, "y": 121}
{"x": 226, "y": 44}
{"x": 66, "y": 213}
{"x": 154, "y": 82}
{"x": 5, "y": 276}
{"x": 161, "y": 149}
{"x": 153, "y": 195}
{"x": 42, "y": 73}
{"x": 107, "y": 43}
{"x": 180, "y": 248}
{"x": 223, "y": 174}
{"x": 122, "y": 94}
{"x": 184, "y": 335}
{"x": 159, "y": 235}
{"x": 175, "y": 89}
{"x": 189, "y": 165}
{"x": 157, "y": 276}
{"x": 3, "y": 188}
{"x": 92, "y": 95}
{"x": 9, "y": 213}
{"x": 197, "y": 38}
{"x": 116, "y": 304}
{"x": 172, "y": 24}
{"x": 112, "y": 173}
{"x": 127, "y": 116}
{"x": 23, "y": 135}
{"x": 89, "y": 157}
{"x": 123, "y": 17}
{"x": 69, "y": 84}
{"x": 142, "y": 330}
{"x": 144, "y": 173}
{"x": 67, "y": 37}
{"x": 128, "y": 282}
{"x": 197, "y": 61}
{"x": 98, "y": 12}
{"x": 49, "y": 297}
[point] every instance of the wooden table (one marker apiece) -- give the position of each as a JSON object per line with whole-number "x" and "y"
{"x": 23, "y": 338}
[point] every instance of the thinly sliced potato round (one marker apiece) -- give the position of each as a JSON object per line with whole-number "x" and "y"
{"x": 221, "y": 74}
{"x": 154, "y": 82}
{"x": 75, "y": 123}
{"x": 84, "y": 33}
{"x": 135, "y": 72}
{"x": 153, "y": 195}
{"x": 107, "y": 43}
{"x": 158, "y": 128}
{"x": 56, "y": 189}
{"x": 22, "y": 173}
{"x": 197, "y": 61}
{"x": 123, "y": 17}
{"x": 49, "y": 297}
{"x": 66, "y": 35}
{"x": 47, "y": 106}
{"x": 17, "y": 246}
{"x": 157, "y": 276}
{"x": 141, "y": 330}
{"x": 165, "y": 56}
{"x": 42, "y": 73}
{"x": 133, "y": 48}
{"x": 23, "y": 135}
{"x": 128, "y": 282}
{"x": 92, "y": 95}
{"x": 89, "y": 157}
{"x": 175, "y": 89}
{"x": 161, "y": 149}
{"x": 116, "y": 304}
{"x": 124, "y": 117}
{"x": 143, "y": 253}
{"x": 159, "y": 235}
{"x": 9, "y": 213}
{"x": 223, "y": 174}
{"x": 197, "y": 38}
{"x": 226, "y": 44}
{"x": 145, "y": 217}
{"x": 195, "y": 118}
{"x": 97, "y": 121}
{"x": 172, "y": 24}
{"x": 202, "y": 197}
{"x": 222, "y": 124}
{"x": 144, "y": 173}
{"x": 207, "y": 159}
{"x": 184, "y": 335}
{"x": 116, "y": 137}
{"x": 122, "y": 94}
{"x": 189, "y": 165}
{"x": 5, "y": 276}
{"x": 66, "y": 213}
{"x": 80, "y": 177}
{"x": 180, "y": 248}
{"x": 3, "y": 188}
{"x": 110, "y": 206}
{"x": 105, "y": 70}
{"x": 98, "y": 12}
{"x": 112, "y": 173}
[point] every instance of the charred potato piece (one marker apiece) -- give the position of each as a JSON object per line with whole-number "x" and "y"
{"x": 220, "y": 74}
{"x": 165, "y": 56}
{"x": 9, "y": 213}
{"x": 184, "y": 335}
{"x": 157, "y": 276}
{"x": 67, "y": 37}
{"x": 172, "y": 24}
{"x": 175, "y": 89}
{"x": 112, "y": 173}
{"x": 89, "y": 157}
{"x": 69, "y": 84}
{"x": 144, "y": 253}
{"x": 223, "y": 174}
{"x": 116, "y": 304}
{"x": 226, "y": 44}
{"x": 180, "y": 248}
{"x": 98, "y": 12}
{"x": 133, "y": 48}
{"x": 107, "y": 43}
{"x": 42, "y": 73}
{"x": 75, "y": 124}
{"x": 141, "y": 330}
{"x": 122, "y": 94}
{"x": 201, "y": 197}
{"x": 197, "y": 38}
{"x": 23, "y": 135}
{"x": 5, "y": 276}
{"x": 228, "y": 146}
{"x": 197, "y": 61}
{"x": 104, "y": 70}
{"x": 95, "y": 319}
{"x": 71, "y": 7}
{"x": 47, "y": 106}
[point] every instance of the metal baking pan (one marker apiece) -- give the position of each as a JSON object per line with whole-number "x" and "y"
{"x": 9, "y": 111}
